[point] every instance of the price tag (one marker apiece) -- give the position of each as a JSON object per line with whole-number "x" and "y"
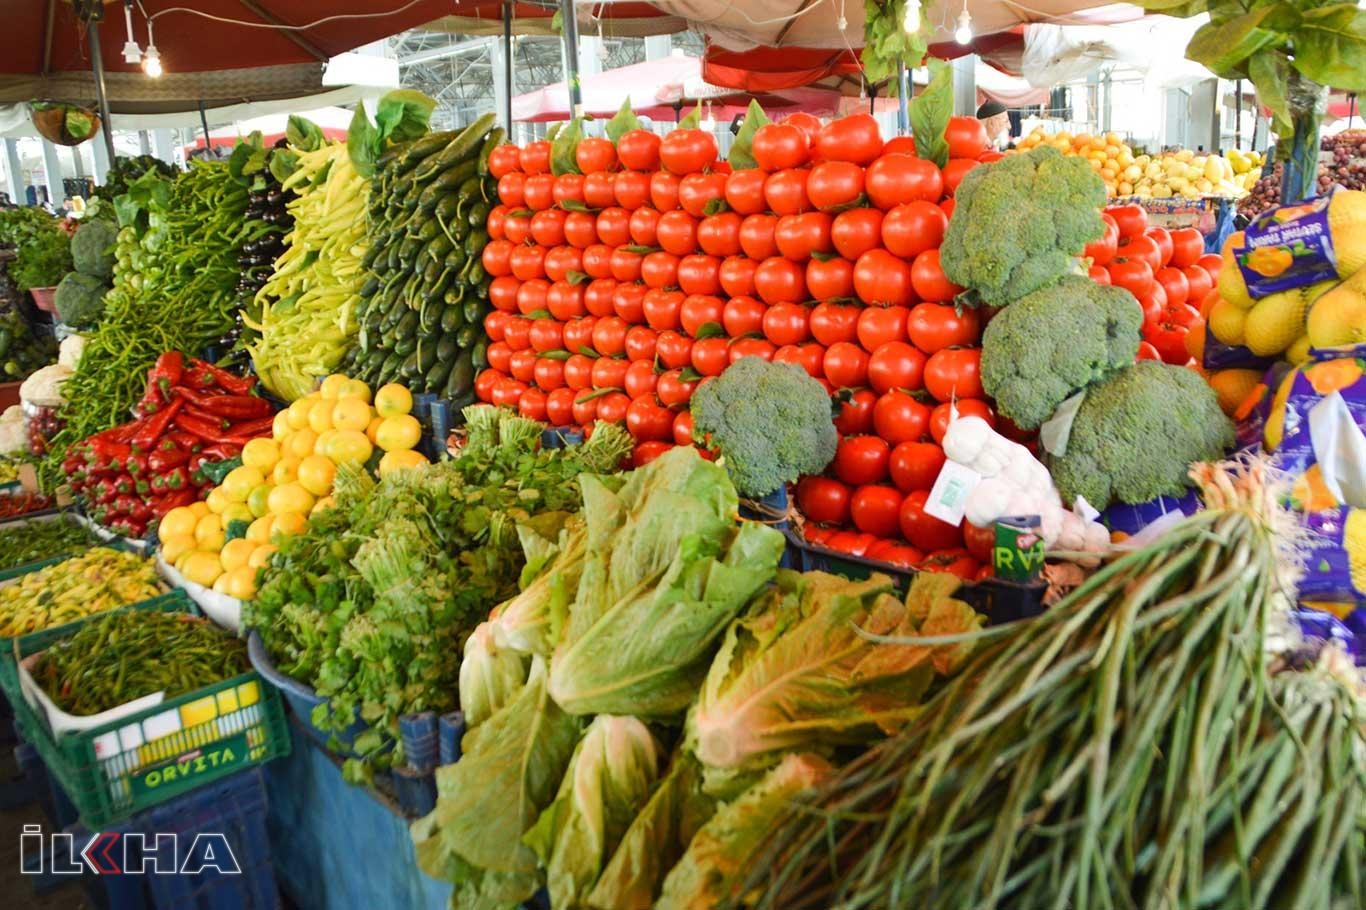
{"x": 949, "y": 497}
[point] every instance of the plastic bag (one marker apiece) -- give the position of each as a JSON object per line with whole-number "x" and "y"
{"x": 1313, "y": 428}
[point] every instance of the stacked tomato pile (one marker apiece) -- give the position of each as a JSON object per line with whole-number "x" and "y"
{"x": 619, "y": 289}
{"x": 1169, "y": 273}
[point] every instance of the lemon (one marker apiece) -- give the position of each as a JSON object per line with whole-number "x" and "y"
{"x": 221, "y": 585}
{"x": 403, "y": 432}
{"x": 238, "y": 511}
{"x": 316, "y": 474}
{"x": 400, "y": 460}
{"x": 287, "y": 471}
{"x": 298, "y": 413}
{"x": 332, "y": 385}
{"x": 239, "y": 482}
{"x": 236, "y": 553}
{"x": 350, "y": 414}
{"x": 217, "y": 500}
{"x": 322, "y": 505}
{"x": 260, "y": 529}
{"x": 350, "y": 446}
{"x": 261, "y": 454}
{"x": 323, "y": 445}
{"x": 260, "y": 557}
{"x": 290, "y": 497}
{"x": 1298, "y": 352}
{"x": 372, "y": 431}
{"x": 200, "y": 509}
{"x": 257, "y": 500}
{"x": 179, "y": 522}
{"x": 393, "y": 400}
{"x": 320, "y": 418}
{"x": 280, "y": 427}
{"x": 301, "y": 443}
{"x": 1226, "y": 322}
{"x": 175, "y": 546}
{"x": 209, "y": 524}
{"x": 241, "y": 583}
{"x": 288, "y": 524}
{"x": 202, "y": 568}
{"x": 354, "y": 388}
{"x": 1275, "y": 322}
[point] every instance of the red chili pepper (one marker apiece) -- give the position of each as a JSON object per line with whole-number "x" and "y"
{"x": 209, "y": 432}
{"x": 228, "y": 382}
{"x": 154, "y": 427}
{"x": 187, "y": 441}
{"x": 173, "y": 499}
{"x": 163, "y": 459}
{"x": 223, "y": 451}
{"x": 237, "y": 407}
{"x": 177, "y": 478}
{"x": 252, "y": 428}
{"x": 170, "y": 366}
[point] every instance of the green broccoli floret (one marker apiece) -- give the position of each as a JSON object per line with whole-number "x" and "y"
{"x": 92, "y": 249}
{"x": 79, "y": 299}
{"x": 1055, "y": 342}
{"x": 1020, "y": 223}
{"x": 771, "y": 421}
{"x": 1136, "y": 435}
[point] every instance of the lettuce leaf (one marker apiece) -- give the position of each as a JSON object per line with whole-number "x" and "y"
{"x": 490, "y": 676}
{"x": 530, "y": 622}
{"x": 609, "y": 778}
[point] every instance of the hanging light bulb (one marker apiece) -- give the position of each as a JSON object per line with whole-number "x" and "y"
{"x": 910, "y": 21}
{"x": 708, "y": 122}
{"x": 132, "y": 54}
{"x": 963, "y": 34}
{"x": 151, "y": 61}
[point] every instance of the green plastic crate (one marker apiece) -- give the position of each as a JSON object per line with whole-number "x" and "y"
{"x": 127, "y": 765}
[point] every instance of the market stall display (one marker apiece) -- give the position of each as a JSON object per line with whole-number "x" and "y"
{"x": 1342, "y": 162}
{"x": 43, "y": 245}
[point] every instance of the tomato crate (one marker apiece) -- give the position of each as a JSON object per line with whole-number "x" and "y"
{"x": 144, "y": 758}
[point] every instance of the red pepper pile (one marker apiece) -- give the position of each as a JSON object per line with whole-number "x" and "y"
{"x": 191, "y": 414}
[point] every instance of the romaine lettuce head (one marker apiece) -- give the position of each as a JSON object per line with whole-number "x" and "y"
{"x": 490, "y": 676}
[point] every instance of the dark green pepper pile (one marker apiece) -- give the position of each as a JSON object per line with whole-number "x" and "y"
{"x": 31, "y": 541}
{"x": 128, "y": 655}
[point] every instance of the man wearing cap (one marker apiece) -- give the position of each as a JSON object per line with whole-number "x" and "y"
{"x": 996, "y": 119}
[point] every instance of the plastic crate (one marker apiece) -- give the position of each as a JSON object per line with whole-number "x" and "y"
{"x": 301, "y": 698}
{"x": 162, "y": 752}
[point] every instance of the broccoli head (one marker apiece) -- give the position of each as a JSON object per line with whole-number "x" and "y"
{"x": 79, "y": 299}
{"x": 771, "y": 422}
{"x": 1055, "y": 342}
{"x": 92, "y": 249}
{"x": 1020, "y": 223}
{"x": 1137, "y": 433}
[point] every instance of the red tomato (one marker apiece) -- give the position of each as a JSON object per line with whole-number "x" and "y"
{"x": 955, "y": 171}
{"x": 546, "y": 335}
{"x": 640, "y": 344}
{"x": 664, "y": 191}
{"x": 494, "y": 323}
{"x": 568, "y": 188}
{"x": 1175, "y": 283}
{"x": 628, "y": 302}
{"x": 832, "y": 323}
{"x": 1198, "y": 282}
{"x": 946, "y": 206}
{"x": 980, "y": 542}
{"x": 661, "y": 309}
{"x": 956, "y": 561}
{"x": 494, "y": 223}
{"x": 699, "y": 310}
{"x": 785, "y": 192}
{"x": 560, "y": 261}
{"x": 823, "y": 500}
{"x": 527, "y": 262}
{"x": 954, "y": 373}
{"x": 1131, "y": 219}
{"x": 673, "y": 389}
{"x": 659, "y": 269}
{"x": 598, "y": 296}
{"x": 532, "y": 296}
{"x": 786, "y": 323}
{"x": 809, "y": 124}
{"x": 849, "y": 542}
{"x": 876, "y": 510}
{"x": 799, "y": 237}
{"x": 689, "y": 151}
{"x": 1188, "y": 245}
{"x": 856, "y": 231}
{"x": 512, "y": 189}
{"x": 881, "y": 278}
{"x": 719, "y": 235}
{"x": 896, "y": 365}
{"x": 646, "y": 452}
{"x": 1147, "y": 352}
{"x": 500, "y": 356}
{"x": 829, "y": 279}
{"x": 745, "y": 191}
{"x": 810, "y": 357}
{"x": 549, "y": 374}
{"x": 879, "y": 325}
{"x": 834, "y": 184}
{"x": 609, "y": 373}
{"x": 580, "y": 229}
{"x": 625, "y": 264}
{"x": 925, "y": 531}
{"x": 497, "y": 258}
{"x": 779, "y": 280}
{"x": 535, "y": 157}
{"x": 609, "y": 336}
{"x": 934, "y": 326}
{"x": 1134, "y": 275}
{"x": 565, "y": 300}
{"x": 484, "y": 384}
{"x": 578, "y": 371}
{"x": 743, "y": 316}
{"x": 911, "y": 229}
{"x": 639, "y": 150}
{"x": 846, "y": 365}
{"x": 595, "y": 154}
{"x": 698, "y": 191}
{"x": 855, "y": 138}
{"x": 699, "y": 274}
{"x": 676, "y": 233}
{"x": 532, "y": 404}
{"x": 522, "y": 365}
{"x": 504, "y": 159}
{"x": 929, "y": 281}
{"x": 682, "y": 429}
{"x": 503, "y": 293}
{"x": 894, "y": 180}
{"x": 1101, "y": 251}
{"x": 644, "y": 226}
{"x": 632, "y": 189}
{"x": 1211, "y": 262}
{"x": 539, "y": 191}
{"x": 898, "y": 417}
{"x": 966, "y": 136}
{"x": 1163, "y": 238}
{"x": 1153, "y": 302}
{"x": 779, "y": 145}
{"x": 612, "y": 407}
{"x": 614, "y": 226}
{"x": 710, "y": 356}
{"x": 899, "y": 555}
{"x": 861, "y": 460}
{"x": 756, "y": 237}
{"x": 559, "y": 407}
{"x": 750, "y": 347}
{"x": 916, "y": 465}
{"x": 1169, "y": 339}
{"x": 578, "y": 334}
{"x": 647, "y": 421}
{"x": 599, "y": 190}
{"x": 585, "y": 409}
{"x": 856, "y": 411}
{"x": 965, "y": 407}
{"x": 517, "y": 228}
{"x": 1099, "y": 274}
{"x": 737, "y": 276}
{"x": 674, "y": 349}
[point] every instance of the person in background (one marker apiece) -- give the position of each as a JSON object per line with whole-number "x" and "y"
{"x": 996, "y": 119}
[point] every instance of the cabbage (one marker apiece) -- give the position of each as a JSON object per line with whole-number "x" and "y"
{"x": 490, "y": 676}
{"x": 608, "y": 780}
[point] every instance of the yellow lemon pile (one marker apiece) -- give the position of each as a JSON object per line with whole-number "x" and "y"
{"x": 287, "y": 477}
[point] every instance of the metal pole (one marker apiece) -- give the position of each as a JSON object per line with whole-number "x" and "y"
{"x": 1238, "y": 114}
{"x": 569, "y": 26}
{"x": 903, "y": 101}
{"x": 204, "y": 122}
{"x": 101, "y": 96}
{"x": 507, "y": 65}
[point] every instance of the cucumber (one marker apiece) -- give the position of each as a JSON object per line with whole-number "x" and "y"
{"x": 467, "y": 336}
{"x": 479, "y": 354}
{"x": 461, "y": 379}
{"x": 491, "y": 141}
{"x": 370, "y": 287}
{"x": 452, "y": 319}
{"x": 478, "y": 215}
{"x": 426, "y": 355}
{"x": 445, "y": 209}
{"x": 446, "y": 348}
{"x": 422, "y": 149}
{"x": 408, "y": 250}
{"x": 407, "y": 326}
{"x": 463, "y": 146}
{"x": 476, "y": 241}
{"x": 405, "y": 346}
{"x": 430, "y": 314}
{"x": 474, "y": 311}
{"x": 436, "y": 376}
{"x": 429, "y": 229}
{"x": 438, "y": 248}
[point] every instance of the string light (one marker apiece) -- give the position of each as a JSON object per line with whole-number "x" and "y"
{"x": 963, "y": 34}
{"x": 132, "y": 54}
{"x": 151, "y": 61}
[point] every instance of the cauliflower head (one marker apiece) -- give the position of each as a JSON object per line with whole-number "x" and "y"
{"x": 1137, "y": 433}
{"x": 1055, "y": 342}
{"x": 771, "y": 421}
{"x": 1020, "y": 223}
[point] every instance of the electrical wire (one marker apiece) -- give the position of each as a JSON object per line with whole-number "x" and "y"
{"x": 292, "y": 28}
